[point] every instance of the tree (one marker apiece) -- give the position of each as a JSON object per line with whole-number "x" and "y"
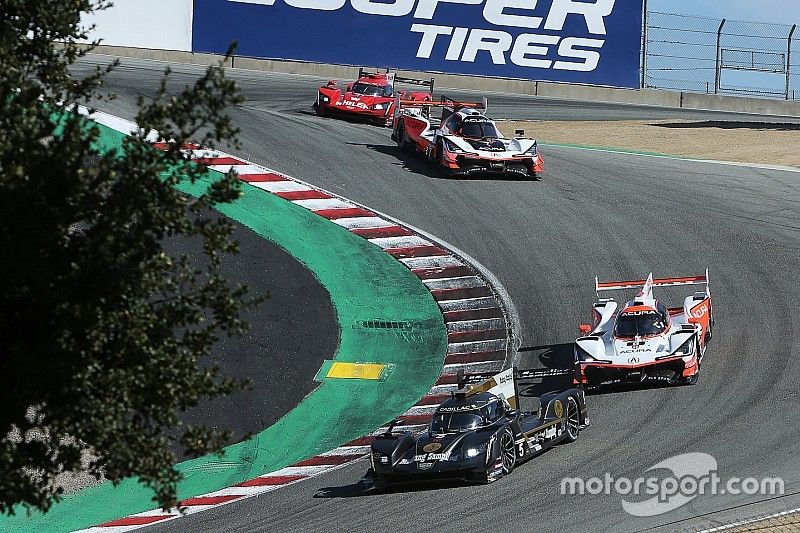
{"x": 102, "y": 331}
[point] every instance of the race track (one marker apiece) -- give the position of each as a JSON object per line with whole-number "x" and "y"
{"x": 614, "y": 215}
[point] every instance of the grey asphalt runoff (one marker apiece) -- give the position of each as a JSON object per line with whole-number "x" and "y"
{"x": 291, "y": 332}
{"x": 614, "y": 215}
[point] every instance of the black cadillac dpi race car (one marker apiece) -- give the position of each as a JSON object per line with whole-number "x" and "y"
{"x": 478, "y": 434}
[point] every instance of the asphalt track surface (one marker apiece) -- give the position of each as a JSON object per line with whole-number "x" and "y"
{"x": 615, "y": 215}
{"x": 291, "y": 332}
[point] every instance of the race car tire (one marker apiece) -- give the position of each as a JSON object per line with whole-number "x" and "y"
{"x": 691, "y": 380}
{"x": 440, "y": 158}
{"x": 710, "y": 332}
{"x": 572, "y": 427}
{"x": 508, "y": 451}
{"x": 402, "y": 142}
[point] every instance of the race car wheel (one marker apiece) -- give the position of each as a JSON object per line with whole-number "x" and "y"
{"x": 691, "y": 380}
{"x": 573, "y": 422}
{"x": 508, "y": 451}
{"x": 402, "y": 142}
{"x": 440, "y": 156}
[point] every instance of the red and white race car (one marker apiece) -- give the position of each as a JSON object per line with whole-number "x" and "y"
{"x": 370, "y": 98}
{"x": 464, "y": 140}
{"x": 643, "y": 340}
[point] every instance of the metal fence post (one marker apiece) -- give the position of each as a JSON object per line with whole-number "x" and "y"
{"x": 644, "y": 45}
{"x": 719, "y": 57}
{"x": 789, "y": 60}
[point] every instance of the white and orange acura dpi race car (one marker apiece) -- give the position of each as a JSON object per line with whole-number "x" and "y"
{"x": 643, "y": 340}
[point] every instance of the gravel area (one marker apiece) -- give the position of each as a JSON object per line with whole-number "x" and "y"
{"x": 745, "y": 142}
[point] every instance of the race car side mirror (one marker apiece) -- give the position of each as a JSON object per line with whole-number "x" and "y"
{"x": 349, "y": 87}
{"x": 585, "y": 329}
{"x": 331, "y": 83}
{"x": 519, "y": 133}
{"x": 392, "y": 424}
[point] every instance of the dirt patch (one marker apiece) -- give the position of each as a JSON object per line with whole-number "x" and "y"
{"x": 745, "y": 142}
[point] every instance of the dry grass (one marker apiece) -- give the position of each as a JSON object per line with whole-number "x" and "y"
{"x": 772, "y": 144}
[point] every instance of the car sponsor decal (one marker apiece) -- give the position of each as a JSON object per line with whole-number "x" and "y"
{"x": 432, "y": 447}
{"x": 558, "y": 409}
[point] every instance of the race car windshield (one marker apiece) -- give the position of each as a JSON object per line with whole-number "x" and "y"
{"x": 371, "y": 90}
{"x": 449, "y": 422}
{"x": 630, "y": 325}
{"x": 479, "y": 129}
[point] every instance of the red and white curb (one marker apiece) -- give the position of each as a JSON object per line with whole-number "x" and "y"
{"x": 477, "y": 325}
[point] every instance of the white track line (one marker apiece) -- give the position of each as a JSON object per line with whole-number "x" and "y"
{"x": 439, "y": 261}
{"x": 481, "y": 366}
{"x": 324, "y": 203}
{"x": 465, "y": 282}
{"x": 476, "y": 325}
{"x": 469, "y": 304}
{"x": 412, "y": 241}
{"x": 476, "y": 346}
{"x": 363, "y": 222}
{"x": 241, "y": 170}
{"x": 281, "y": 186}
{"x": 752, "y": 521}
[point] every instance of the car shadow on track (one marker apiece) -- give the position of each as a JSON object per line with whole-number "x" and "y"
{"x": 561, "y": 356}
{"x": 343, "y": 118}
{"x": 365, "y": 488}
{"x": 416, "y": 163}
{"x": 621, "y": 388}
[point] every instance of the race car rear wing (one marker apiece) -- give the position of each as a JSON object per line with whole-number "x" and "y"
{"x": 400, "y": 79}
{"x": 456, "y": 105}
{"x": 447, "y": 105}
{"x": 505, "y": 383}
{"x": 660, "y": 282}
{"x": 445, "y": 102}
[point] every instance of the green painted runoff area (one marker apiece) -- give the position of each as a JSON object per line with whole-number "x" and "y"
{"x": 365, "y": 285}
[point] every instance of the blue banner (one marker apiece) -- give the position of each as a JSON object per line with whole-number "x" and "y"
{"x": 595, "y": 42}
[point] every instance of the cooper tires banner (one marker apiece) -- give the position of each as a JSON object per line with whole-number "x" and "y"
{"x": 594, "y": 42}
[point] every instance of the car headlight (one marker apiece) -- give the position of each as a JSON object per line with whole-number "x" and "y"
{"x": 452, "y": 147}
{"x": 475, "y": 451}
{"x": 377, "y": 106}
{"x": 324, "y": 99}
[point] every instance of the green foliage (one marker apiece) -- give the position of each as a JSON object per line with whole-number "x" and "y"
{"x": 102, "y": 331}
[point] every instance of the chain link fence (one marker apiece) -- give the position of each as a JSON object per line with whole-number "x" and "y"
{"x": 720, "y": 56}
